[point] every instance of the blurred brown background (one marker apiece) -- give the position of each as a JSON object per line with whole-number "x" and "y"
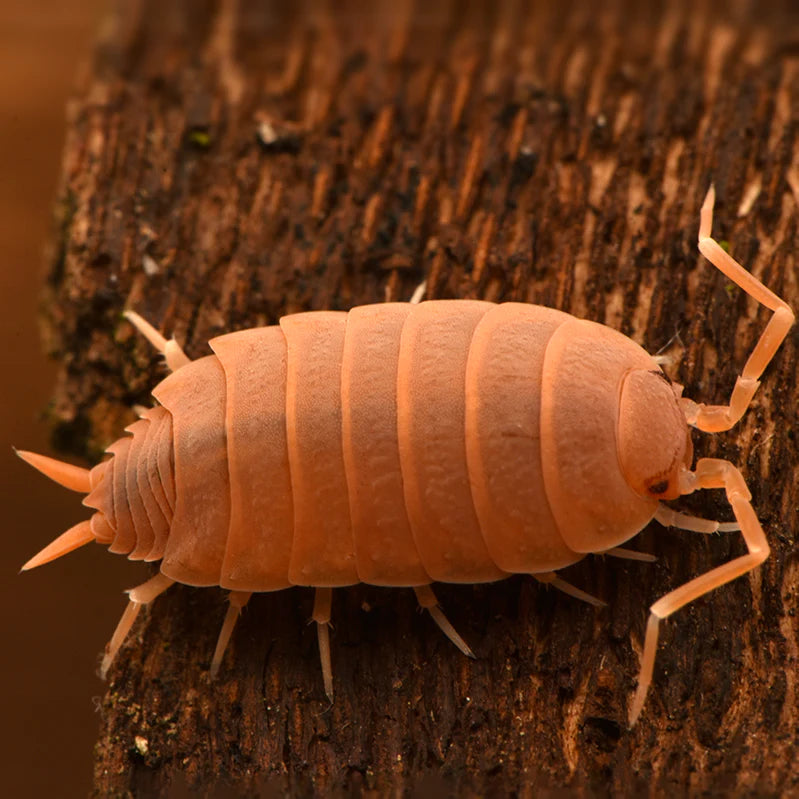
{"x": 55, "y": 621}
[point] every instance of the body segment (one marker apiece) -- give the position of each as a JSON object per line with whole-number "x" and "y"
{"x": 504, "y": 437}
{"x": 431, "y": 379}
{"x": 384, "y": 545}
{"x": 593, "y": 505}
{"x": 322, "y": 551}
{"x": 260, "y": 534}
{"x": 195, "y": 397}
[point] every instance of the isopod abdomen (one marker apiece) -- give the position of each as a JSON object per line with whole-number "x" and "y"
{"x": 402, "y": 444}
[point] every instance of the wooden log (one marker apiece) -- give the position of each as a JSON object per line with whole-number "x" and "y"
{"x": 230, "y": 162}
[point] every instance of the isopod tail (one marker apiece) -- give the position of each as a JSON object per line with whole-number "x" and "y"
{"x": 73, "y": 538}
{"x": 74, "y": 478}
{"x": 132, "y": 492}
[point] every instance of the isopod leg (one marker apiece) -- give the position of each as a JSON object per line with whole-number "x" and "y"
{"x": 714, "y": 418}
{"x": 428, "y": 601}
{"x": 550, "y": 578}
{"x": 630, "y": 554}
{"x": 710, "y": 473}
{"x": 139, "y": 596}
{"x": 418, "y": 293}
{"x": 682, "y": 521}
{"x": 323, "y": 600}
{"x": 236, "y": 601}
{"x": 173, "y": 354}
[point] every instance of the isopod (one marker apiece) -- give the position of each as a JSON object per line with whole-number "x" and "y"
{"x": 407, "y": 443}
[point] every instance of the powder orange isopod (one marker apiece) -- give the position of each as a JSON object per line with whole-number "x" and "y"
{"x": 407, "y": 443}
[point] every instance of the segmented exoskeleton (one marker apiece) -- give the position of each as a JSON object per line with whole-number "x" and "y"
{"x": 407, "y": 443}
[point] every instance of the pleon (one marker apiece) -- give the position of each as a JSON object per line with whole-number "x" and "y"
{"x": 101, "y": 497}
{"x": 166, "y": 461}
{"x": 125, "y": 538}
{"x": 101, "y": 529}
{"x": 142, "y": 523}
{"x": 159, "y": 417}
{"x": 147, "y": 480}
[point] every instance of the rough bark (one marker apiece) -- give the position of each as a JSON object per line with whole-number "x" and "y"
{"x": 231, "y": 162}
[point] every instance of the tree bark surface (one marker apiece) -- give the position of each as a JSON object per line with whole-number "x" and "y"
{"x": 231, "y": 162}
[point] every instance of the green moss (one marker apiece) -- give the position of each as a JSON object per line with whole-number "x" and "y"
{"x": 199, "y": 138}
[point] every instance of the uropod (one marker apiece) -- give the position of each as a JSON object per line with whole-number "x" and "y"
{"x": 403, "y": 444}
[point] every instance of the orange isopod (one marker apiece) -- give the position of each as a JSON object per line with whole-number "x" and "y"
{"x": 407, "y": 443}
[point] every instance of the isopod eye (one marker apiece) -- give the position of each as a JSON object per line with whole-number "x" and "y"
{"x": 652, "y": 434}
{"x": 659, "y": 488}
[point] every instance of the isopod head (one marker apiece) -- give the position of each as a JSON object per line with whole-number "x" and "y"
{"x": 653, "y": 439}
